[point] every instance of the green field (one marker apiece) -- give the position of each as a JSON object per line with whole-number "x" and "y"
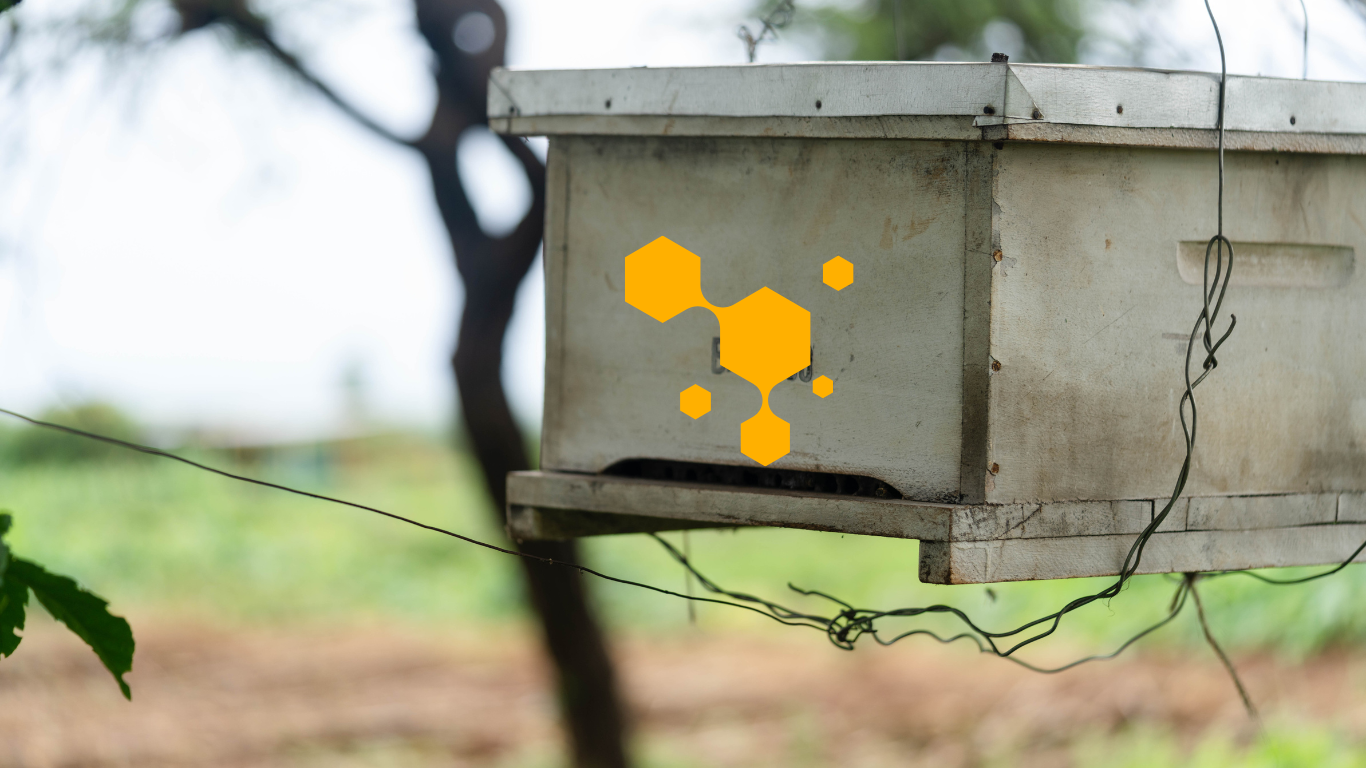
{"x": 155, "y": 534}
{"x": 159, "y": 538}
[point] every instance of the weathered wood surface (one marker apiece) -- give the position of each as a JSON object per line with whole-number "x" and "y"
{"x": 724, "y": 505}
{"x": 535, "y": 524}
{"x": 1235, "y": 513}
{"x": 1023, "y": 102}
{"x": 963, "y": 544}
{"x": 761, "y": 213}
{"x": 1274, "y": 265}
{"x": 1352, "y": 508}
{"x": 1068, "y": 518}
{"x": 843, "y": 90}
{"x": 1176, "y": 138}
{"x": 1091, "y": 314}
{"x": 1085, "y": 315}
{"x": 931, "y": 127}
{"x": 980, "y": 562}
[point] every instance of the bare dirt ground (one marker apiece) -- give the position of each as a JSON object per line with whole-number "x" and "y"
{"x": 213, "y": 696}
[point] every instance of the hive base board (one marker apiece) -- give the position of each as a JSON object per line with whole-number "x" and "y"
{"x": 964, "y": 544}
{"x": 719, "y": 505}
{"x": 536, "y": 524}
{"x": 985, "y": 562}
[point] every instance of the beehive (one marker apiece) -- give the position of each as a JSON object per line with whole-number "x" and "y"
{"x": 999, "y": 266}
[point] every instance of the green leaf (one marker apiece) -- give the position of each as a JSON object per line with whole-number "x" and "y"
{"x": 4, "y": 548}
{"x": 13, "y": 599}
{"x": 85, "y": 613}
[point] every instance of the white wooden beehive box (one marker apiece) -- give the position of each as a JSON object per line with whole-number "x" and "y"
{"x": 1026, "y": 245}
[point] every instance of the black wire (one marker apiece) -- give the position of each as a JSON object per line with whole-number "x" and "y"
{"x": 322, "y": 497}
{"x": 844, "y": 628}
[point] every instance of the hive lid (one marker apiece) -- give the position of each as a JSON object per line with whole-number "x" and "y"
{"x": 934, "y": 100}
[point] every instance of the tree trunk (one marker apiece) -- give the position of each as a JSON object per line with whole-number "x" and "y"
{"x": 587, "y": 691}
{"x": 491, "y": 269}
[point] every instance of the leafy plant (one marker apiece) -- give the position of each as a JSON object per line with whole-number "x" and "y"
{"x": 85, "y": 613}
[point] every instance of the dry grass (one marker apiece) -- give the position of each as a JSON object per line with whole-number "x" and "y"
{"x": 377, "y": 695}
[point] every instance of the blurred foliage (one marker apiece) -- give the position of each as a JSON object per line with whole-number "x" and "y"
{"x": 949, "y": 30}
{"x": 27, "y": 445}
{"x": 169, "y": 538}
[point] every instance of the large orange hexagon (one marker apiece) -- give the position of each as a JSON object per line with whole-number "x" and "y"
{"x": 765, "y": 338}
{"x": 663, "y": 279}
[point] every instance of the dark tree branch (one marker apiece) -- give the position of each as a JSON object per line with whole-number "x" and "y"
{"x": 236, "y": 16}
{"x": 492, "y": 269}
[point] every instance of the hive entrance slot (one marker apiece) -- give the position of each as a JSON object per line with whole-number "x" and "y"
{"x": 754, "y": 477}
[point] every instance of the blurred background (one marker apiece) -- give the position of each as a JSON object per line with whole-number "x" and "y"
{"x": 199, "y": 250}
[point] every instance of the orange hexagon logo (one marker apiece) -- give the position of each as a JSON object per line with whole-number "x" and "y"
{"x": 694, "y": 401}
{"x": 765, "y": 337}
{"x": 837, "y": 273}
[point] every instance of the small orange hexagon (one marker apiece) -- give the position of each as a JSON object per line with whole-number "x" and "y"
{"x": 765, "y": 438}
{"x": 663, "y": 279}
{"x": 694, "y": 401}
{"x": 765, "y": 338}
{"x": 838, "y": 273}
{"x": 823, "y": 386}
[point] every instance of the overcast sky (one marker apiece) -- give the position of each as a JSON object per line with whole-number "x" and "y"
{"x": 205, "y": 243}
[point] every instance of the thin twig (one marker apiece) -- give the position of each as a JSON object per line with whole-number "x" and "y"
{"x": 1191, "y": 578}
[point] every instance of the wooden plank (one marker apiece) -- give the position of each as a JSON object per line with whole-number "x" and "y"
{"x": 931, "y": 127}
{"x": 728, "y": 506}
{"x": 1149, "y": 107}
{"x": 1233, "y": 513}
{"x": 1304, "y": 106}
{"x": 1092, "y": 95}
{"x": 536, "y": 524}
{"x": 959, "y": 544}
{"x": 555, "y": 258}
{"x": 791, "y": 90}
{"x": 891, "y": 342}
{"x": 1178, "y": 138}
{"x": 1274, "y": 265}
{"x": 1176, "y": 518}
{"x": 1352, "y": 508}
{"x": 1091, "y": 314}
{"x": 1027, "y": 521}
{"x": 1056, "y": 558}
{"x": 978, "y": 264}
